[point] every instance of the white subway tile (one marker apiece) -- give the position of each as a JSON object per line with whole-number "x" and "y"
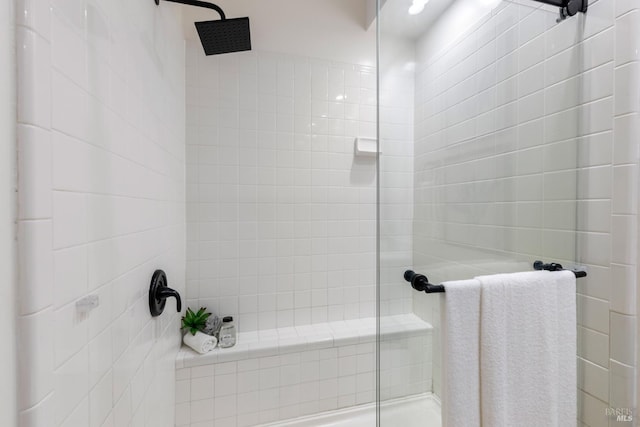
{"x": 67, "y": 52}
{"x": 36, "y": 266}
{"x": 69, "y": 219}
{"x": 34, "y": 84}
{"x": 621, "y": 388}
{"x": 592, "y": 410}
{"x": 69, "y": 275}
{"x": 36, "y": 16}
{"x": 100, "y": 357}
{"x": 601, "y": 17}
{"x": 593, "y": 346}
{"x": 627, "y": 38}
{"x": 627, "y": 89}
{"x": 593, "y": 379}
{"x": 36, "y": 365}
{"x": 624, "y": 250}
{"x": 100, "y": 401}
{"x": 34, "y": 162}
{"x": 593, "y": 314}
{"x": 625, "y": 189}
{"x": 626, "y": 148}
{"x": 38, "y": 415}
{"x": 624, "y": 290}
{"x": 202, "y": 410}
{"x": 71, "y": 385}
{"x": 598, "y": 49}
{"x": 70, "y": 107}
{"x": 623, "y": 329}
{"x": 624, "y": 6}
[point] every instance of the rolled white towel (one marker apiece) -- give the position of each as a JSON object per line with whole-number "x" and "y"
{"x": 202, "y": 343}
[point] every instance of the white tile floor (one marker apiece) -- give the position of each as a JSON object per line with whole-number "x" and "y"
{"x": 416, "y": 411}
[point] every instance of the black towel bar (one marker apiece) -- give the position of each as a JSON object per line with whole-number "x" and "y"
{"x": 420, "y": 282}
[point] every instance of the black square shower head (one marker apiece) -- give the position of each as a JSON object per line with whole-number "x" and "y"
{"x": 224, "y": 36}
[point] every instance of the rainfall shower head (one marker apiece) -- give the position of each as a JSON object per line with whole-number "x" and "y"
{"x": 222, "y": 35}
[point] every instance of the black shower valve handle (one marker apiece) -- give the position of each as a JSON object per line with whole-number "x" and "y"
{"x": 159, "y": 292}
{"x": 165, "y": 293}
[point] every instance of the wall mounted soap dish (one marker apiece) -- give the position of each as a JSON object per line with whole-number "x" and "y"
{"x": 367, "y": 147}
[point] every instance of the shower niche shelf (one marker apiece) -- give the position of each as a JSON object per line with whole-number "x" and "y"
{"x": 366, "y": 147}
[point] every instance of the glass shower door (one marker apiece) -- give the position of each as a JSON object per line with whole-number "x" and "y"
{"x": 480, "y": 124}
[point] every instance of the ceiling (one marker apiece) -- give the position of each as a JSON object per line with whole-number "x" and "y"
{"x": 395, "y": 19}
{"x": 394, "y": 16}
{"x": 280, "y": 12}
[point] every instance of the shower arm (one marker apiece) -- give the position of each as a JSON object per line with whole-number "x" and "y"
{"x": 568, "y": 7}
{"x": 199, "y": 4}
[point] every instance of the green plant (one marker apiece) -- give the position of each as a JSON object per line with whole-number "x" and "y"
{"x": 195, "y": 322}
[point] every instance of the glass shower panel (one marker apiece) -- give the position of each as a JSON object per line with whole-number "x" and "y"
{"x": 479, "y": 123}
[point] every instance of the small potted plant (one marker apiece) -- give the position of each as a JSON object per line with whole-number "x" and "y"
{"x": 194, "y": 322}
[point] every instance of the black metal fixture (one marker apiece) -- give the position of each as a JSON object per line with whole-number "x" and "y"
{"x": 420, "y": 283}
{"x": 221, "y": 36}
{"x": 159, "y": 292}
{"x": 554, "y": 266}
{"x": 568, "y": 7}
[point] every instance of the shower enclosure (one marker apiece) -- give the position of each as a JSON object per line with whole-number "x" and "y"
{"x": 497, "y": 149}
{"x": 291, "y": 186}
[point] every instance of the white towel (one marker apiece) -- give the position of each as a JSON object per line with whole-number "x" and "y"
{"x": 202, "y": 343}
{"x": 460, "y": 322}
{"x": 528, "y": 349}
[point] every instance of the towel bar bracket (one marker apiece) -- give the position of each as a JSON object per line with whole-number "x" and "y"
{"x": 554, "y": 266}
{"x": 420, "y": 283}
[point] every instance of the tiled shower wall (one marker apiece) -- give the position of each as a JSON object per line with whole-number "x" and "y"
{"x": 281, "y": 214}
{"x": 397, "y": 89}
{"x": 519, "y": 118}
{"x": 101, "y": 206}
{"x": 262, "y": 390}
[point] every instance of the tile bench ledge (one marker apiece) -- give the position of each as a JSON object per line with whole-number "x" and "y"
{"x": 273, "y": 342}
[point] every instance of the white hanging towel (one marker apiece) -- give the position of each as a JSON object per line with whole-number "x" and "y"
{"x": 528, "y": 349}
{"x": 460, "y": 323}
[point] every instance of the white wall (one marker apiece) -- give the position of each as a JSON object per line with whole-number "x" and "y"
{"x": 102, "y": 205}
{"x": 282, "y": 227}
{"x": 516, "y": 118}
{"x": 327, "y": 29}
{"x": 8, "y": 402}
{"x": 281, "y": 214}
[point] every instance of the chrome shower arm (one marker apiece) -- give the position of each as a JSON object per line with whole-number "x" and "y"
{"x": 199, "y": 4}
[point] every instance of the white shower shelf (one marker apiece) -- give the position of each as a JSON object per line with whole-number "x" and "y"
{"x": 273, "y": 342}
{"x": 367, "y": 147}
